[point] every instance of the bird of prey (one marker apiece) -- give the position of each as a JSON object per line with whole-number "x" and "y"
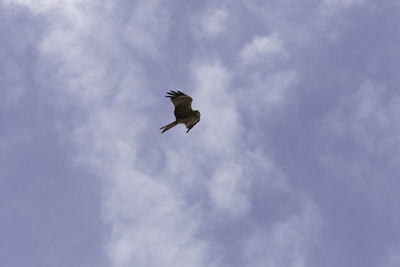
{"x": 183, "y": 111}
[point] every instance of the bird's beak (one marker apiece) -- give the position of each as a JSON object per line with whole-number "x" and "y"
{"x": 189, "y": 129}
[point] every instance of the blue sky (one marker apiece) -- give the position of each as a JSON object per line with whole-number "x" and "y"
{"x": 295, "y": 161}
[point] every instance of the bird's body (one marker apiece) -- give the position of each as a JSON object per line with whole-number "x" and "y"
{"x": 183, "y": 111}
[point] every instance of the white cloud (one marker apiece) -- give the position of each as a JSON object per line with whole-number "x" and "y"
{"x": 220, "y": 132}
{"x": 342, "y": 3}
{"x": 213, "y": 22}
{"x": 63, "y": 43}
{"x": 220, "y": 120}
{"x": 146, "y": 207}
{"x": 268, "y": 93}
{"x": 287, "y": 242}
{"x": 143, "y": 211}
{"x": 150, "y": 223}
{"x": 391, "y": 257}
{"x": 71, "y": 8}
{"x": 369, "y": 118}
{"x": 235, "y": 168}
{"x": 273, "y": 89}
{"x": 258, "y": 165}
{"x": 13, "y": 91}
{"x": 148, "y": 26}
{"x": 228, "y": 189}
{"x": 263, "y": 47}
{"x": 301, "y": 24}
{"x": 329, "y": 10}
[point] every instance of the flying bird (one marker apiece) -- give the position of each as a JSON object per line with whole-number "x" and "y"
{"x": 183, "y": 111}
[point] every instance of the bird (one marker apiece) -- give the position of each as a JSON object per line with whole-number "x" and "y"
{"x": 183, "y": 111}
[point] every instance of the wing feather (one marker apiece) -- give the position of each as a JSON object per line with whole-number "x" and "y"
{"x": 182, "y": 103}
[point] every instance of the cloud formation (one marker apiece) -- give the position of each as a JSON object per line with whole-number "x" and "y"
{"x": 369, "y": 119}
{"x": 213, "y": 22}
{"x": 343, "y": 3}
{"x": 262, "y": 47}
{"x": 286, "y": 242}
{"x": 147, "y": 26}
{"x": 269, "y": 177}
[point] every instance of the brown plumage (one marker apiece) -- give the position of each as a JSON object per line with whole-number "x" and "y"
{"x": 183, "y": 111}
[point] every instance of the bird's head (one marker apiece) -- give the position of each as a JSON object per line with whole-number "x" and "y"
{"x": 195, "y": 120}
{"x": 197, "y": 115}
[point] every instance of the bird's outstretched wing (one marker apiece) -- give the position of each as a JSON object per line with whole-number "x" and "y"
{"x": 182, "y": 103}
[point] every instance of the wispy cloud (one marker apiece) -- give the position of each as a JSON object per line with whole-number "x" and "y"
{"x": 343, "y": 3}
{"x": 228, "y": 189}
{"x": 263, "y": 47}
{"x": 392, "y": 257}
{"x": 42, "y": 6}
{"x": 142, "y": 212}
{"x": 269, "y": 93}
{"x": 286, "y": 243}
{"x": 369, "y": 119}
{"x": 237, "y": 169}
{"x": 213, "y": 22}
{"x": 243, "y": 188}
{"x": 147, "y": 26}
{"x": 13, "y": 91}
{"x": 212, "y": 91}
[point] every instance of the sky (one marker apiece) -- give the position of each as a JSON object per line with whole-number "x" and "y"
{"x": 295, "y": 162}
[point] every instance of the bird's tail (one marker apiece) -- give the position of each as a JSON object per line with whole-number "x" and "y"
{"x": 169, "y": 126}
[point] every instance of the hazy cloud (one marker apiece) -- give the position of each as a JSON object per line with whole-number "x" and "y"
{"x": 267, "y": 176}
{"x": 263, "y": 47}
{"x": 147, "y": 26}
{"x": 370, "y": 118}
{"x": 287, "y": 242}
{"x": 343, "y": 3}
{"x": 141, "y": 212}
{"x": 392, "y": 257}
{"x": 212, "y": 93}
{"x": 213, "y": 22}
